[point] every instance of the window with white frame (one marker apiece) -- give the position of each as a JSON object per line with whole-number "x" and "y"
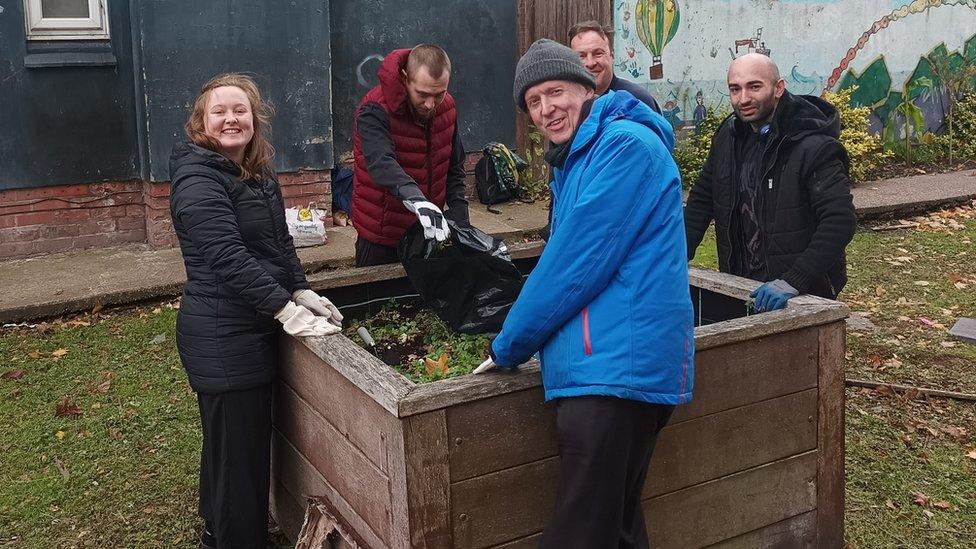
{"x": 66, "y": 19}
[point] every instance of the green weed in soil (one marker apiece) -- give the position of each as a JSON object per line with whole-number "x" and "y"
{"x": 406, "y": 335}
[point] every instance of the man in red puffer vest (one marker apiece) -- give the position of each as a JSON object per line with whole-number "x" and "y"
{"x": 408, "y": 154}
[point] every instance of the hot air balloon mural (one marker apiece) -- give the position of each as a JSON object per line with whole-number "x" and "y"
{"x": 657, "y": 23}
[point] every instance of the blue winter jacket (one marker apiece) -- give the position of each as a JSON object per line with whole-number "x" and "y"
{"x": 608, "y": 303}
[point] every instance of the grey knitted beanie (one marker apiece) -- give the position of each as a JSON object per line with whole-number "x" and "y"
{"x": 548, "y": 60}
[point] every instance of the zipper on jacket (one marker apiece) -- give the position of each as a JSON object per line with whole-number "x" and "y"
{"x": 430, "y": 164}
{"x": 587, "y": 348}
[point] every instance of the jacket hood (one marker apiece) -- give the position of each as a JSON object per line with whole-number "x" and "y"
{"x": 394, "y": 92}
{"x": 616, "y": 105}
{"x": 799, "y": 116}
{"x": 185, "y": 153}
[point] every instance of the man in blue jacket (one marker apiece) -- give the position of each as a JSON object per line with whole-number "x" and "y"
{"x": 608, "y": 303}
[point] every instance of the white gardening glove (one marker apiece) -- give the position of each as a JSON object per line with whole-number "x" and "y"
{"x": 431, "y": 218}
{"x": 485, "y": 366}
{"x": 319, "y": 305}
{"x": 299, "y": 321}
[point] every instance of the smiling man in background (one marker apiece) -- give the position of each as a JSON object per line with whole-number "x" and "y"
{"x": 591, "y": 41}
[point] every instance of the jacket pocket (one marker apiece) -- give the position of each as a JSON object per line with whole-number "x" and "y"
{"x": 587, "y": 346}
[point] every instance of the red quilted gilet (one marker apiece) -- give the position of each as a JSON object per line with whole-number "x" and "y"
{"x": 424, "y": 155}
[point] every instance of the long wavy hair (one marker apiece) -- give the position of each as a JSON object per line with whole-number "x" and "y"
{"x": 259, "y": 153}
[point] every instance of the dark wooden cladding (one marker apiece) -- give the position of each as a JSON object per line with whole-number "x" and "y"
{"x": 723, "y": 508}
{"x": 343, "y": 466}
{"x": 362, "y": 421}
{"x": 793, "y": 533}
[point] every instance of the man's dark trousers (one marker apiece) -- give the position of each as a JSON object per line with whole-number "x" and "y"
{"x": 605, "y": 445}
{"x": 235, "y": 466}
{"x": 369, "y": 253}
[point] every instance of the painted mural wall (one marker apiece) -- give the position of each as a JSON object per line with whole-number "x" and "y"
{"x": 680, "y": 49}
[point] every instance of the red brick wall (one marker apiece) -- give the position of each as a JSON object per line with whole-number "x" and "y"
{"x": 75, "y": 217}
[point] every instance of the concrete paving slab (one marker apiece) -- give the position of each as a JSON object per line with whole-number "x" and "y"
{"x": 910, "y": 195}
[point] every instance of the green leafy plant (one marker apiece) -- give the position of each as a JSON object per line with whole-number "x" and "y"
{"x": 418, "y": 344}
{"x": 912, "y": 118}
{"x": 955, "y": 82}
{"x": 691, "y": 152}
{"x": 865, "y": 150}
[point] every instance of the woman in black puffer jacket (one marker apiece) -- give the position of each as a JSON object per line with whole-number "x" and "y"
{"x": 243, "y": 279}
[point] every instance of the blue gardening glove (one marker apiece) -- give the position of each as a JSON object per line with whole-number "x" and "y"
{"x": 773, "y": 295}
{"x": 431, "y": 219}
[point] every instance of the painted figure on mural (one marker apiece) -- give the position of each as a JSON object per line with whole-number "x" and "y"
{"x": 700, "y": 111}
{"x": 777, "y": 185}
{"x": 672, "y": 112}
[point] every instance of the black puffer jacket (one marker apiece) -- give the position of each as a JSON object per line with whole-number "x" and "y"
{"x": 807, "y": 212}
{"x": 241, "y": 269}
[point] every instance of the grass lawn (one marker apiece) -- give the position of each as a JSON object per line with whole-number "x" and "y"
{"x": 99, "y": 444}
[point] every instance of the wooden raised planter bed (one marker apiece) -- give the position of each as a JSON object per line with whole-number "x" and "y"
{"x": 755, "y": 460}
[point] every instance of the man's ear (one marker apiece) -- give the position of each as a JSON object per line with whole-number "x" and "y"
{"x": 403, "y": 75}
{"x": 780, "y": 88}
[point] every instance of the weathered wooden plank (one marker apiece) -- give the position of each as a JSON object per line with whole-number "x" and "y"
{"x": 830, "y": 466}
{"x": 752, "y": 371}
{"x": 720, "y": 444}
{"x": 345, "y": 467}
{"x": 528, "y": 542}
{"x": 338, "y": 278}
{"x": 723, "y": 444}
{"x": 500, "y": 432}
{"x": 428, "y": 480}
{"x": 378, "y": 380}
{"x": 758, "y": 370}
{"x": 359, "y": 418}
{"x": 796, "y": 316}
{"x": 297, "y": 475}
{"x": 504, "y": 505}
{"x": 516, "y": 503}
{"x": 426, "y": 397}
{"x": 797, "y": 532}
{"x": 286, "y": 510}
{"x": 724, "y": 508}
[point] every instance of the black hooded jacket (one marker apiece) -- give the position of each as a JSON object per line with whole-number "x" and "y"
{"x": 241, "y": 269}
{"x": 807, "y": 214}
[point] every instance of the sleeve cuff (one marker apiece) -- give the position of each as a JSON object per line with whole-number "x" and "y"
{"x": 798, "y": 279}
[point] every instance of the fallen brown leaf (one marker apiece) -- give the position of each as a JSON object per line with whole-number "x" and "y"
{"x": 97, "y": 308}
{"x": 66, "y": 408}
{"x": 34, "y": 354}
{"x": 14, "y": 375}
{"x": 971, "y": 454}
{"x": 103, "y": 387}
{"x": 890, "y": 504}
{"x": 921, "y": 499}
{"x": 439, "y": 365}
{"x": 942, "y": 505}
{"x": 59, "y": 353}
{"x": 959, "y": 434}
